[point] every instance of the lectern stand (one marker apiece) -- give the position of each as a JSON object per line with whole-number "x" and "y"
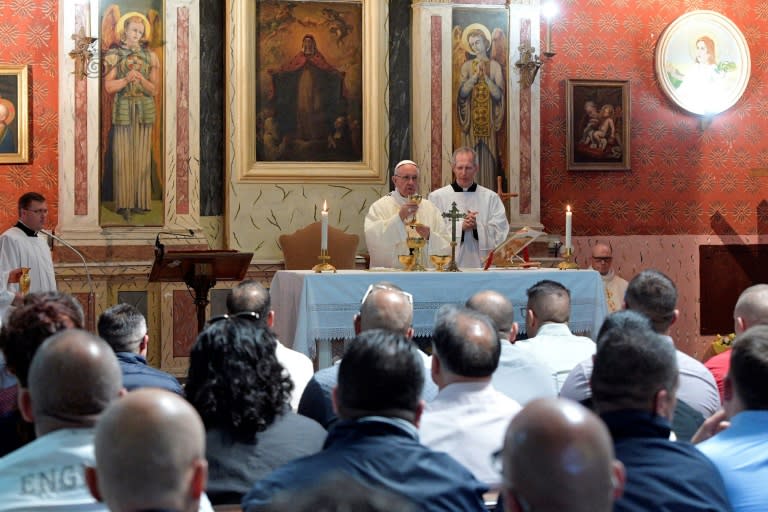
{"x": 199, "y": 270}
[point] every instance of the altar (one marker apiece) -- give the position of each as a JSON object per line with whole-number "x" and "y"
{"x": 311, "y": 307}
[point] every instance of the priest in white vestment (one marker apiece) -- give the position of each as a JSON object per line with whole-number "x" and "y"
{"x": 386, "y": 224}
{"x": 22, "y": 246}
{"x": 615, "y": 286}
{"x": 485, "y": 223}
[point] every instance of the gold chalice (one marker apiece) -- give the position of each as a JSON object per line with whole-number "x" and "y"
{"x": 407, "y": 261}
{"x": 24, "y": 280}
{"x": 414, "y": 199}
{"x": 416, "y": 243}
{"x": 440, "y": 261}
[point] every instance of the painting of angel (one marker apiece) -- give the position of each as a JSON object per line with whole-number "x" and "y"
{"x": 131, "y": 121}
{"x": 480, "y": 57}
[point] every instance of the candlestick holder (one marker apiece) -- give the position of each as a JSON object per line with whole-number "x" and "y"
{"x": 567, "y": 263}
{"x": 453, "y": 267}
{"x": 324, "y": 266}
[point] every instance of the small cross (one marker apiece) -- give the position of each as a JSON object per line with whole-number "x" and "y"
{"x": 503, "y": 195}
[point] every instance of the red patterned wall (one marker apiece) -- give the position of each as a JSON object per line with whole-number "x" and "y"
{"x": 28, "y": 30}
{"x": 685, "y": 178}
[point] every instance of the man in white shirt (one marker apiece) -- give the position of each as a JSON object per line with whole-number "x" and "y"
{"x": 549, "y": 338}
{"x": 386, "y": 224}
{"x": 250, "y": 295}
{"x": 520, "y": 375}
{"x": 485, "y": 224}
{"x": 468, "y": 417}
{"x": 615, "y": 286}
{"x": 21, "y": 245}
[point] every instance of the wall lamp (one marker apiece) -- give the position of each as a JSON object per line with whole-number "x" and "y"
{"x": 82, "y": 53}
{"x": 529, "y": 63}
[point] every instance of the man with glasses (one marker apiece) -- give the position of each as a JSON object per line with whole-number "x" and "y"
{"x": 387, "y": 222}
{"x": 615, "y": 286}
{"x": 20, "y": 245}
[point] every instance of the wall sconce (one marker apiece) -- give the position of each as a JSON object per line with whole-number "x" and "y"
{"x": 82, "y": 53}
{"x": 529, "y": 63}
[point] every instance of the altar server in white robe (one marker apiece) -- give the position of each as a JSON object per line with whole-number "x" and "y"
{"x": 386, "y": 224}
{"x": 485, "y": 223}
{"x": 23, "y": 246}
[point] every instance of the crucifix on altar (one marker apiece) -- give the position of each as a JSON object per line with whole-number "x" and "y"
{"x": 454, "y": 215}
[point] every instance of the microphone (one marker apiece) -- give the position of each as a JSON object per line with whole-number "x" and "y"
{"x": 92, "y": 293}
{"x": 160, "y": 247}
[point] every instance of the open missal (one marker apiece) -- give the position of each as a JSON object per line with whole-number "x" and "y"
{"x": 506, "y": 253}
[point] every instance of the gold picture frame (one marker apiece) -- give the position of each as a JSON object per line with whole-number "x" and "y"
{"x": 703, "y": 63}
{"x": 14, "y": 114}
{"x": 243, "y": 82}
{"x": 598, "y": 119}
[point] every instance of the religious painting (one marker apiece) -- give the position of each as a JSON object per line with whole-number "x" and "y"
{"x": 597, "y": 125}
{"x": 703, "y": 63}
{"x": 480, "y": 49}
{"x": 308, "y": 90}
{"x": 131, "y": 124}
{"x": 14, "y": 114}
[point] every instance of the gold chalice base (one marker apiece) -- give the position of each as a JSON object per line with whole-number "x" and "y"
{"x": 440, "y": 261}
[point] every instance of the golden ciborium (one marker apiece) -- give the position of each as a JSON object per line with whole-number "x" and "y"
{"x": 440, "y": 261}
{"x": 24, "y": 280}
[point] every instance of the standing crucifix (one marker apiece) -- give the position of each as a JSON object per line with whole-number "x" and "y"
{"x": 454, "y": 215}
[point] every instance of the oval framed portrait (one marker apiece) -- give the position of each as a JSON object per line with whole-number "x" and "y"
{"x": 703, "y": 63}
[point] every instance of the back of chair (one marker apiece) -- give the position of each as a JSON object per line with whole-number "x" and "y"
{"x": 301, "y": 249}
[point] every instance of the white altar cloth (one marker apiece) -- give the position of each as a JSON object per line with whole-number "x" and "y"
{"x": 310, "y": 306}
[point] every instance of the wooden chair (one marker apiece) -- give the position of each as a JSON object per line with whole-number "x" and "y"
{"x": 301, "y": 249}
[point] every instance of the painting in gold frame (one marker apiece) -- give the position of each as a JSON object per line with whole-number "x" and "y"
{"x": 597, "y": 126}
{"x": 249, "y": 77}
{"x": 14, "y": 114}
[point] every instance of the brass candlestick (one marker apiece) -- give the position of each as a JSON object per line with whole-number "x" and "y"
{"x": 567, "y": 263}
{"x": 324, "y": 266}
{"x": 25, "y": 280}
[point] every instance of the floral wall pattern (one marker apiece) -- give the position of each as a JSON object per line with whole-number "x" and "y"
{"x": 688, "y": 176}
{"x": 28, "y": 29}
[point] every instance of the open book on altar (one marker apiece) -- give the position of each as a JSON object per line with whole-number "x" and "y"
{"x": 506, "y": 252}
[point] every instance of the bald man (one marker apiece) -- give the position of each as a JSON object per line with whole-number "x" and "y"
{"x": 751, "y": 309}
{"x": 150, "y": 454}
{"x": 558, "y": 456}
{"x": 615, "y": 286}
{"x": 384, "y": 306}
{"x": 520, "y": 375}
{"x": 74, "y": 376}
{"x": 386, "y": 225}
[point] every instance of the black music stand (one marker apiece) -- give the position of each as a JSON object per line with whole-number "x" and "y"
{"x": 199, "y": 270}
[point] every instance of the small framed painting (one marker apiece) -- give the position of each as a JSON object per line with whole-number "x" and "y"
{"x": 597, "y": 125}
{"x": 14, "y": 114}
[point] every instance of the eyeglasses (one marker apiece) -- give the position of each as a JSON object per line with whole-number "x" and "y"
{"x": 602, "y": 259}
{"x": 250, "y": 315}
{"x": 372, "y": 287}
{"x": 407, "y": 178}
{"x": 44, "y": 211}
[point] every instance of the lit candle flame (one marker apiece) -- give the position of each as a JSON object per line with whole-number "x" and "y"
{"x": 568, "y": 208}
{"x": 325, "y": 206}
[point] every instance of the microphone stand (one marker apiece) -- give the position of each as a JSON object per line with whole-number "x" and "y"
{"x": 90, "y": 307}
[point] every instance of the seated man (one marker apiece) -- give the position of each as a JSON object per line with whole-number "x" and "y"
{"x": 125, "y": 329}
{"x": 549, "y": 338}
{"x": 73, "y": 377}
{"x": 384, "y": 306}
{"x": 150, "y": 454}
{"x": 634, "y": 383}
{"x": 520, "y": 375}
{"x": 559, "y": 456}
{"x": 377, "y": 441}
{"x": 386, "y": 225}
{"x": 250, "y": 295}
{"x": 739, "y": 450}
{"x": 615, "y": 286}
{"x": 468, "y": 417}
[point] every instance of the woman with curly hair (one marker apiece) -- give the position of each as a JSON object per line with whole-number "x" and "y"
{"x": 242, "y": 394}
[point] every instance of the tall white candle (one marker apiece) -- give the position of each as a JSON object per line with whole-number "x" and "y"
{"x": 324, "y": 231}
{"x": 568, "y": 226}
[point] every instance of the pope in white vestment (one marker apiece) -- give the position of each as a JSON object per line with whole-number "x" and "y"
{"x": 386, "y": 230}
{"x": 485, "y": 225}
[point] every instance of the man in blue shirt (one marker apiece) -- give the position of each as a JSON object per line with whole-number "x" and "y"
{"x": 376, "y": 441}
